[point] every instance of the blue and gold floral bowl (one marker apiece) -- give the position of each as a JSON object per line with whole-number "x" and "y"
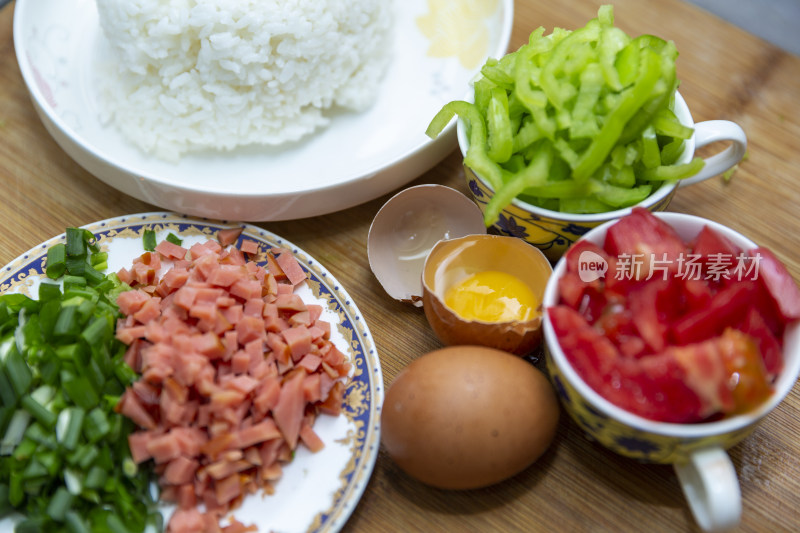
{"x": 637, "y": 437}
{"x": 553, "y": 231}
{"x": 689, "y": 447}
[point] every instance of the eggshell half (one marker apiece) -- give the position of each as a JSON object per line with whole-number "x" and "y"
{"x": 465, "y": 417}
{"x": 406, "y": 228}
{"x": 451, "y": 261}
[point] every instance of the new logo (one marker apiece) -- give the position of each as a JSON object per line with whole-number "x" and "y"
{"x": 591, "y": 266}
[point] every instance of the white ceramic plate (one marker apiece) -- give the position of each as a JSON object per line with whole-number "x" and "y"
{"x": 318, "y": 491}
{"x": 357, "y": 158}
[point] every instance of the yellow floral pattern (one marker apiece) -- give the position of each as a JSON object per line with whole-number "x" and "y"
{"x": 458, "y": 28}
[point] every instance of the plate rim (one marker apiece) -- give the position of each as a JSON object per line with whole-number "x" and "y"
{"x": 339, "y": 512}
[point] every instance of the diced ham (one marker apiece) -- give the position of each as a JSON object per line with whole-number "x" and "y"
{"x": 164, "y": 447}
{"x": 171, "y": 250}
{"x": 180, "y": 470}
{"x": 125, "y": 276}
{"x": 149, "y": 311}
{"x": 288, "y": 263}
{"x": 301, "y": 318}
{"x": 234, "y": 368}
{"x": 312, "y": 389}
{"x": 290, "y": 302}
{"x": 232, "y": 256}
{"x": 225, "y": 275}
{"x": 249, "y": 246}
{"x": 227, "y": 489}
{"x": 299, "y": 341}
{"x": 226, "y": 237}
{"x": 254, "y": 307}
{"x": 261, "y": 432}
{"x": 130, "y": 335}
{"x": 131, "y": 301}
{"x": 310, "y": 362}
{"x": 224, "y": 468}
{"x": 137, "y": 442}
{"x": 240, "y": 361}
{"x": 244, "y": 384}
{"x": 311, "y": 439}
{"x": 186, "y": 521}
{"x": 130, "y": 406}
{"x": 267, "y": 394}
{"x": 246, "y": 289}
{"x": 289, "y": 411}
{"x": 279, "y": 348}
{"x": 250, "y": 328}
{"x": 175, "y": 278}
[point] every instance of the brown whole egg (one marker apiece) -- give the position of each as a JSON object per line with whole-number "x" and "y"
{"x": 466, "y": 417}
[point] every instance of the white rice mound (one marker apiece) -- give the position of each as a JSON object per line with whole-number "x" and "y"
{"x": 200, "y": 75}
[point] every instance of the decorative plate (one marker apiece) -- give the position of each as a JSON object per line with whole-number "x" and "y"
{"x": 318, "y": 491}
{"x": 438, "y": 47}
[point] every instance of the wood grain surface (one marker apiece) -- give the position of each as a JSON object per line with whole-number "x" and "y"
{"x": 577, "y": 485}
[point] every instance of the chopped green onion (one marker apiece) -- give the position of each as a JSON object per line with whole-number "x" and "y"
{"x": 64, "y": 457}
{"x": 44, "y": 416}
{"x": 96, "y": 425}
{"x": 76, "y": 245}
{"x": 15, "y": 431}
{"x": 60, "y": 503}
{"x": 174, "y": 239}
{"x": 56, "y": 263}
{"x": 75, "y": 524}
{"x": 149, "y": 240}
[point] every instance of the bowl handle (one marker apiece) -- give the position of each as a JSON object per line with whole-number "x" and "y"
{"x": 711, "y": 488}
{"x": 711, "y": 131}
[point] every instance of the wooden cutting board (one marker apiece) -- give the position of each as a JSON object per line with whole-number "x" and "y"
{"x": 577, "y": 485}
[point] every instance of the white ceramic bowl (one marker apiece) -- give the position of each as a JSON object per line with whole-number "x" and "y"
{"x": 713, "y": 493}
{"x": 356, "y": 159}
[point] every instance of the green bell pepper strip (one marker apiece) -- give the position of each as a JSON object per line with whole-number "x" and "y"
{"x": 494, "y": 71}
{"x": 664, "y": 90}
{"x": 558, "y": 92}
{"x": 627, "y": 64}
{"x": 584, "y": 121}
{"x": 631, "y": 100}
{"x": 651, "y": 155}
{"x": 476, "y": 157}
{"x": 672, "y": 151}
{"x": 584, "y": 205}
{"x": 674, "y": 172}
{"x": 534, "y": 174}
{"x": 612, "y": 41}
{"x": 527, "y": 134}
{"x": 666, "y": 123}
{"x": 498, "y": 126}
{"x": 557, "y": 189}
{"x": 619, "y": 197}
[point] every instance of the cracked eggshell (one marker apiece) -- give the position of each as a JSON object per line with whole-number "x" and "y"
{"x": 406, "y": 228}
{"x": 450, "y": 262}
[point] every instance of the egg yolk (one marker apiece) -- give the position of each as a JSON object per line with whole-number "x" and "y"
{"x": 492, "y": 296}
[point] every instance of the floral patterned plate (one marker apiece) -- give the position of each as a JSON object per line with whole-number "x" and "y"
{"x": 318, "y": 491}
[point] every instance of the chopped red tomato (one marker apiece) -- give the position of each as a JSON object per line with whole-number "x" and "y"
{"x": 711, "y": 245}
{"x": 644, "y": 245}
{"x": 778, "y": 282}
{"x": 727, "y": 307}
{"x": 672, "y": 343}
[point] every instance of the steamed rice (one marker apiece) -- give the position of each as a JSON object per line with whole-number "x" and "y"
{"x": 198, "y": 75}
